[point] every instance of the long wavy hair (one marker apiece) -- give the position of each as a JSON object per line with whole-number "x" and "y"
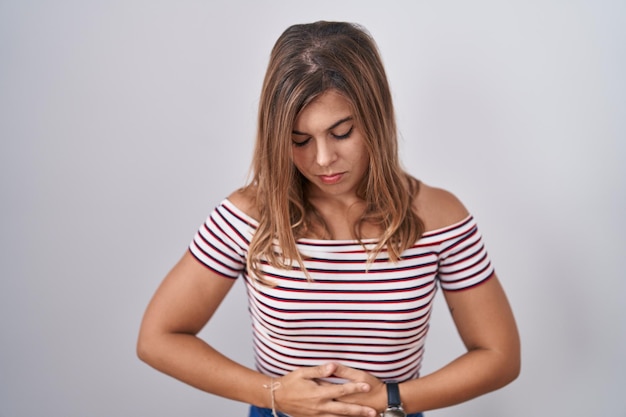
{"x": 307, "y": 60}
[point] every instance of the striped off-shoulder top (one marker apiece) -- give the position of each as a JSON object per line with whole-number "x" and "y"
{"x": 371, "y": 316}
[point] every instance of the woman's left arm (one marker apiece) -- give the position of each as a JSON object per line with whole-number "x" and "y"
{"x": 483, "y": 319}
{"x": 485, "y": 322}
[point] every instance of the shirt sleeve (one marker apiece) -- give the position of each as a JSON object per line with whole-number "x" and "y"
{"x": 219, "y": 244}
{"x": 464, "y": 261}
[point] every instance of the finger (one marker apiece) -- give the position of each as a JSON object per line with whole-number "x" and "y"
{"x": 356, "y": 375}
{"x": 346, "y": 409}
{"x": 342, "y": 390}
{"x": 320, "y": 371}
{"x": 350, "y": 374}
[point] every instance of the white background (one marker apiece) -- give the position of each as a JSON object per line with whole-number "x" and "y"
{"x": 122, "y": 123}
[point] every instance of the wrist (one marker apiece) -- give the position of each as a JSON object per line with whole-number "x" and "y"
{"x": 272, "y": 386}
{"x": 394, "y": 403}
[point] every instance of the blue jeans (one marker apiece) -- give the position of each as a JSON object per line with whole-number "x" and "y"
{"x": 267, "y": 412}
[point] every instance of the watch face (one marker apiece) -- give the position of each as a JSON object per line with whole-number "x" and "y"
{"x": 394, "y": 412}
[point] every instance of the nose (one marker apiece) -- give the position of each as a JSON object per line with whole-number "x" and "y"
{"x": 325, "y": 152}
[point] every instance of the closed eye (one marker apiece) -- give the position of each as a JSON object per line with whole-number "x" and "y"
{"x": 345, "y": 135}
{"x": 301, "y": 143}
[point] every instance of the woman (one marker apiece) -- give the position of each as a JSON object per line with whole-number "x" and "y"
{"x": 341, "y": 252}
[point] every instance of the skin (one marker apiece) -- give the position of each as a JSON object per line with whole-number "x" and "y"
{"x": 328, "y": 150}
{"x": 190, "y": 294}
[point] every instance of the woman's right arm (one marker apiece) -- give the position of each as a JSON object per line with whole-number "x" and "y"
{"x": 184, "y": 302}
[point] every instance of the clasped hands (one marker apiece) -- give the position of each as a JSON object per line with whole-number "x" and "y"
{"x": 305, "y": 393}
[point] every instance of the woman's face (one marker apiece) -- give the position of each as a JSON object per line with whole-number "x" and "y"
{"x": 328, "y": 148}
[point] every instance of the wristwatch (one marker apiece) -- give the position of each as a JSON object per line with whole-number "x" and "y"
{"x": 394, "y": 406}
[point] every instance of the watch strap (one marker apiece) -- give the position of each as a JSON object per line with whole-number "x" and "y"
{"x": 393, "y": 394}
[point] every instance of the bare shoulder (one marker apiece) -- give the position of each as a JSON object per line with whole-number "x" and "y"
{"x": 245, "y": 200}
{"x": 438, "y": 208}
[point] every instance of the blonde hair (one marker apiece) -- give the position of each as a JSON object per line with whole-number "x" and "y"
{"x": 306, "y": 61}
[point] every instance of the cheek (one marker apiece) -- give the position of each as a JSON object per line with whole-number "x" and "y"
{"x": 298, "y": 158}
{"x": 359, "y": 153}
{"x": 365, "y": 157}
{"x": 364, "y": 164}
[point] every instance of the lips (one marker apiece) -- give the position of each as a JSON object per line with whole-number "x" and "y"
{"x": 332, "y": 178}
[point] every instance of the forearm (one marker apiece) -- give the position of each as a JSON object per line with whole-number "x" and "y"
{"x": 475, "y": 373}
{"x": 194, "y": 362}
{"x": 191, "y": 360}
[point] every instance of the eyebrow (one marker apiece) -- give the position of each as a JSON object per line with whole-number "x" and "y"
{"x": 345, "y": 119}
